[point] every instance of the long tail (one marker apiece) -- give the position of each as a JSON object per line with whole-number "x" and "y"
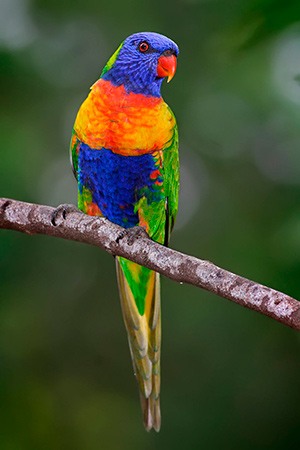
{"x": 139, "y": 290}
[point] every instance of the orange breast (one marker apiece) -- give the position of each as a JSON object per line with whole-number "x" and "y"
{"x": 128, "y": 124}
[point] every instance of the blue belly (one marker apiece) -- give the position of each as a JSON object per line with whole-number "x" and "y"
{"x": 117, "y": 182}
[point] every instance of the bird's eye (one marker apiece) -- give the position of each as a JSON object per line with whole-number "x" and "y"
{"x": 143, "y": 47}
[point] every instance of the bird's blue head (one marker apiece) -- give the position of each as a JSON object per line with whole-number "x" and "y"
{"x": 141, "y": 63}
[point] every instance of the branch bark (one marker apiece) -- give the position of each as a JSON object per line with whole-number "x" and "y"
{"x": 134, "y": 244}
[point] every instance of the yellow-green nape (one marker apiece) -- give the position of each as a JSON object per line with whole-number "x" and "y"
{"x": 111, "y": 61}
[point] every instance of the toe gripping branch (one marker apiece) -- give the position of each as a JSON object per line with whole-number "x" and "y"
{"x": 61, "y": 212}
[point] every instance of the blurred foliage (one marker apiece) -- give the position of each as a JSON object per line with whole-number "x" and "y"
{"x": 230, "y": 376}
{"x": 264, "y": 18}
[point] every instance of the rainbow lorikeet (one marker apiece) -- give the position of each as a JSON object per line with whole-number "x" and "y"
{"x": 124, "y": 151}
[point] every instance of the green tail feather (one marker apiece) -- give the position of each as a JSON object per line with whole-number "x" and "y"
{"x": 139, "y": 290}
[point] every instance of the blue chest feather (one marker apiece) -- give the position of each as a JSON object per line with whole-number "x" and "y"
{"x": 117, "y": 182}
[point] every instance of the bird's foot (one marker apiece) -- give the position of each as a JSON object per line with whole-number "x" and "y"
{"x": 122, "y": 234}
{"x": 61, "y": 212}
{"x": 136, "y": 233}
{"x": 132, "y": 234}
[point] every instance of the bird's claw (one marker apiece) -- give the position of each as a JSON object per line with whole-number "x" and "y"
{"x": 132, "y": 234}
{"x": 121, "y": 236}
{"x": 61, "y": 212}
{"x": 136, "y": 233}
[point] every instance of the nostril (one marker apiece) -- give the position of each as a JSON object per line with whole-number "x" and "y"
{"x": 168, "y": 53}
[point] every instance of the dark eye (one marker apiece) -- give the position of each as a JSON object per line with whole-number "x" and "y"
{"x": 143, "y": 47}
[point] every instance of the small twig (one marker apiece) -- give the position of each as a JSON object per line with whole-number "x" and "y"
{"x": 135, "y": 245}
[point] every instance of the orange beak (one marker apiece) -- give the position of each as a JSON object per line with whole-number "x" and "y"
{"x": 166, "y": 66}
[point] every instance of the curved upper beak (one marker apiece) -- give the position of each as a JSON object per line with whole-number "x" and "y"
{"x": 166, "y": 66}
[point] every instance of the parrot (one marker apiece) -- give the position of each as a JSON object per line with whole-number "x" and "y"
{"x": 124, "y": 155}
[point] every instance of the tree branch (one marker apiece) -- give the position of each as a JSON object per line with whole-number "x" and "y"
{"x": 134, "y": 244}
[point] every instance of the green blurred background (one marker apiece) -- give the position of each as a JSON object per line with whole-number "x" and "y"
{"x": 230, "y": 377}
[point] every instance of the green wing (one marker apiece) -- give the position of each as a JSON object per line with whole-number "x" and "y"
{"x": 74, "y": 151}
{"x": 171, "y": 183}
{"x": 157, "y": 208}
